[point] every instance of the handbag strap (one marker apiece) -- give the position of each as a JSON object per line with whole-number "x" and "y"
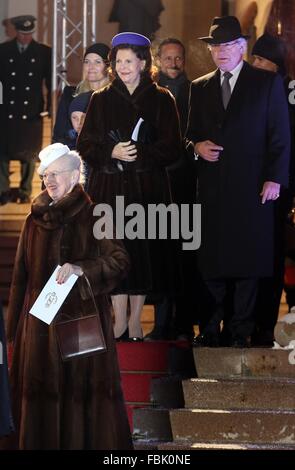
{"x": 92, "y": 297}
{"x": 91, "y": 292}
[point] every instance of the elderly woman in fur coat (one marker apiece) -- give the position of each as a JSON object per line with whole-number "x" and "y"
{"x": 123, "y": 164}
{"x": 76, "y": 404}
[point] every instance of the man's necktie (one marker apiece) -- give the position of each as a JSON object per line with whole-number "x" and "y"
{"x": 225, "y": 89}
{"x": 22, "y": 49}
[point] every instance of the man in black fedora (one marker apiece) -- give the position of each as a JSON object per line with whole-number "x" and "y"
{"x": 25, "y": 67}
{"x": 239, "y": 128}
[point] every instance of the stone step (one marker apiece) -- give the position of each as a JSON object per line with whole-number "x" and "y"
{"x": 246, "y": 393}
{"x": 5, "y": 275}
{"x": 7, "y": 224}
{"x": 182, "y": 446}
{"x": 249, "y": 362}
{"x": 12, "y": 209}
{"x": 152, "y": 424}
{"x": 233, "y": 426}
{"x": 167, "y": 392}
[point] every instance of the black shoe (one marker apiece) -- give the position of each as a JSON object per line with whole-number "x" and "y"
{"x": 205, "y": 341}
{"x": 135, "y": 339}
{"x": 240, "y": 343}
{"x": 5, "y": 198}
{"x": 23, "y": 199}
{"x": 124, "y": 336}
{"x": 263, "y": 339}
{"x": 155, "y": 336}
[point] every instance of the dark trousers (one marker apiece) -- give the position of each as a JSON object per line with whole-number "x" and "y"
{"x": 270, "y": 289}
{"x": 27, "y": 173}
{"x": 240, "y": 321}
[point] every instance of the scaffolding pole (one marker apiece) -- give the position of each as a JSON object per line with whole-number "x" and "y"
{"x": 73, "y": 29}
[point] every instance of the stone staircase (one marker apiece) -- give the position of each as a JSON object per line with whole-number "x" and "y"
{"x": 242, "y": 399}
{"x": 12, "y": 217}
{"x": 145, "y": 366}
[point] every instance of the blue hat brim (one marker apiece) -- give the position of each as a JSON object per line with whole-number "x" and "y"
{"x": 134, "y": 39}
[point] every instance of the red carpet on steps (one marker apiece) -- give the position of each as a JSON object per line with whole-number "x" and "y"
{"x": 139, "y": 364}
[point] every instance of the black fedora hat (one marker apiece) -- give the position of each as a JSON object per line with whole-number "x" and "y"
{"x": 224, "y": 29}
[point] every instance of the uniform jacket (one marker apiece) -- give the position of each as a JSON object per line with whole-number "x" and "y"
{"x": 254, "y": 133}
{"x": 22, "y": 75}
{"x": 143, "y": 181}
{"x": 76, "y": 404}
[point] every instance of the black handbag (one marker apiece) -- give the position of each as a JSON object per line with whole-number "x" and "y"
{"x": 82, "y": 336}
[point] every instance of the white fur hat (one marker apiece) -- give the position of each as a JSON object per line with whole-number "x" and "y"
{"x": 51, "y": 153}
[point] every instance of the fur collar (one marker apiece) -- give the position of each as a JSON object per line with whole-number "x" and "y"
{"x": 145, "y": 84}
{"x": 56, "y": 215}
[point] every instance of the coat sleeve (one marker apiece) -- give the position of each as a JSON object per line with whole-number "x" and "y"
{"x": 107, "y": 267}
{"x": 18, "y": 286}
{"x": 62, "y": 122}
{"x": 278, "y": 155}
{"x": 193, "y": 124}
{"x": 106, "y": 271}
{"x": 166, "y": 147}
{"x": 94, "y": 144}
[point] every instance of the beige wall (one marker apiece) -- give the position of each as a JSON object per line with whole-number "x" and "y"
{"x": 187, "y": 20}
{"x": 25, "y": 7}
{"x": 264, "y": 7}
{"x": 184, "y": 19}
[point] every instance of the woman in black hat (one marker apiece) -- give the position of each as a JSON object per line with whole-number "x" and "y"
{"x": 95, "y": 77}
{"x": 133, "y": 167}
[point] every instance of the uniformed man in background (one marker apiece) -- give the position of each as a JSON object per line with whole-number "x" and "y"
{"x": 24, "y": 66}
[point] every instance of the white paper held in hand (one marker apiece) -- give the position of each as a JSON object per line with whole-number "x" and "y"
{"x": 134, "y": 136}
{"x": 52, "y": 297}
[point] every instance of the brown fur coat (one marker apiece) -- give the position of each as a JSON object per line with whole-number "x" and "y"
{"x": 76, "y": 404}
{"x": 154, "y": 263}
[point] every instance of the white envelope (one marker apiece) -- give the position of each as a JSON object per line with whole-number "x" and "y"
{"x": 52, "y": 297}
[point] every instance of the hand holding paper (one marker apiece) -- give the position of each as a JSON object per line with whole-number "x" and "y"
{"x": 52, "y": 297}
{"x": 66, "y": 271}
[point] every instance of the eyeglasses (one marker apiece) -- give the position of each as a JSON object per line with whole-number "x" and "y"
{"x": 52, "y": 174}
{"x": 226, "y": 46}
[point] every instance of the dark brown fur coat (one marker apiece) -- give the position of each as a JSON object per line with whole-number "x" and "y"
{"x": 76, "y": 404}
{"x": 154, "y": 263}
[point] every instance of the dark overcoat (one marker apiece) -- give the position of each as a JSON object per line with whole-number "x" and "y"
{"x": 63, "y": 125}
{"x": 22, "y": 76}
{"x": 76, "y": 404}
{"x": 236, "y": 228}
{"x": 145, "y": 181}
{"x": 6, "y": 425}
